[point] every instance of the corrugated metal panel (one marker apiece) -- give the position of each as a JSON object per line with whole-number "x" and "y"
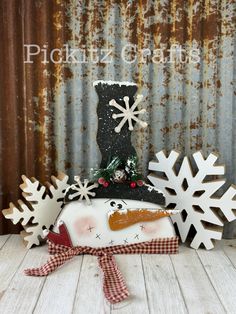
{"x": 48, "y": 117}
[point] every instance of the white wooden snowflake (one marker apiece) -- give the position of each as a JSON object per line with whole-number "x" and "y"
{"x": 83, "y": 190}
{"x": 195, "y": 194}
{"x": 128, "y": 113}
{"x": 40, "y": 208}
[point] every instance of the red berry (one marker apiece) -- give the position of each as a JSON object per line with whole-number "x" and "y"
{"x": 101, "y": 180}
{"x": 133, "y": 185}
{"x": 140, "y": 182}
{"x": 106, "y": 184}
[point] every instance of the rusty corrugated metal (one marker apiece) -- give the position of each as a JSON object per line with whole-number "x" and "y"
{"x": 48, "y": 111}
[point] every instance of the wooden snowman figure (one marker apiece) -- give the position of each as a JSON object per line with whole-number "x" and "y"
{"x": 117, "y": 212}
{"x": 119, "y": 208}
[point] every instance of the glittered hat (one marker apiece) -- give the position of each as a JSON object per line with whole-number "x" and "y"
{"x": 117, "y": 177}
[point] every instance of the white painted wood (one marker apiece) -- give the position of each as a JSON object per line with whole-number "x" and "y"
{"x": 89, "y": 297}
{"x": 11, "y": 256}
{"x": 131, "y": 268}
{"x": 59, "y": 289}
{"x": 43, "y": 209}
{"x": 229, "y": 247}
{"x": 222, "y": 274}
{"x": 164, "y": 295}
{"x": 3, "y": 240}
{"x": 23, "y": 291}
{"x": 198, "y": 292}
{"x": 188, "y": 192}
{"x": 193, "y": 281}
{"x": 88, "y": 224}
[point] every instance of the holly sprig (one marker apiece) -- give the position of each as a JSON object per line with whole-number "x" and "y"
{"x": 131, "y": 169}
{"x": 107, "y": 173}
{"x": 104, "y": 175}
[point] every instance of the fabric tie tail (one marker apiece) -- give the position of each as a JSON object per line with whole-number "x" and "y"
{"x": 114, "y": 287}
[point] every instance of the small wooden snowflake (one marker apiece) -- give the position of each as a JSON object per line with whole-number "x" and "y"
{"x": 128, "y": 113}
{"x": 81, "y": 190}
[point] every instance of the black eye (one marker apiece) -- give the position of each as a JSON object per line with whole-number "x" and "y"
{"x": 119, "y": 206}
{"x": 113, "y": 204}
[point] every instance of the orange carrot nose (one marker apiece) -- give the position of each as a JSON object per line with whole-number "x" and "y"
{"x": 120, "y": 219}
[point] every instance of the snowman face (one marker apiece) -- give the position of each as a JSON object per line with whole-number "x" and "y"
{"x": 88, "y": 224}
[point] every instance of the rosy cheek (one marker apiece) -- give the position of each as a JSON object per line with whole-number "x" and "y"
{"x": 150, "y": 227}
{"x": 85, "y": 226}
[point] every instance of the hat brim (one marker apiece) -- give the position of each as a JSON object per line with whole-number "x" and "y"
{"x": 144, "y": 193}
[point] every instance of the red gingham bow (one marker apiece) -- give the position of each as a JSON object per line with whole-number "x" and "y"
{"x": 114, "y": 287}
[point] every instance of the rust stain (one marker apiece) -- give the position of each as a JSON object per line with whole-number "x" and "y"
{"x": 218, "y": 84}
{"x": 31, "y": 92}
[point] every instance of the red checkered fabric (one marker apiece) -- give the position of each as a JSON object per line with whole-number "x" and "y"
{"x": 114, "y": 287}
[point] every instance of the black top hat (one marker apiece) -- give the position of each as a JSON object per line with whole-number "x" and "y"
{"x": 115, "y": 144}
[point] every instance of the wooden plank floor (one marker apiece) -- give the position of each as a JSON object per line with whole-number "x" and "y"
{"x": 190, "y": 282}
